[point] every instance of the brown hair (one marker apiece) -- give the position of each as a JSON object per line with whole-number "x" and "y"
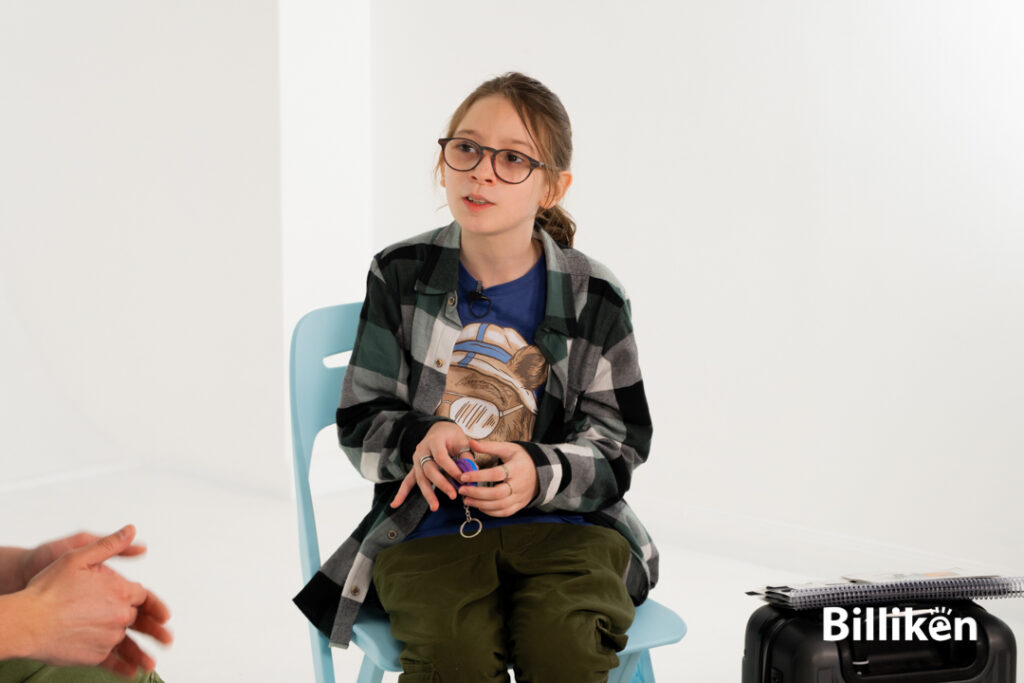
{"x": 542, "y": 113}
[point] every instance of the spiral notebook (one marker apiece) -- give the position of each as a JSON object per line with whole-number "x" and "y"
{"x": 878, "y": 589}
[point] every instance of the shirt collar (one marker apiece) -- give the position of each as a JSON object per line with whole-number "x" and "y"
{"x": 440, "y": 275}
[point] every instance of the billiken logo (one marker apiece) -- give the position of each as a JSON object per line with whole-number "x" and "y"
{"x": 894, "y": 623}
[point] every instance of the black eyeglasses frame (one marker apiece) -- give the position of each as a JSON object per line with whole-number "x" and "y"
{"x": 494, "y": 153}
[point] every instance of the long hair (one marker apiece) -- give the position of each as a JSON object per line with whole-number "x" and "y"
{"x": 548, "y": 125}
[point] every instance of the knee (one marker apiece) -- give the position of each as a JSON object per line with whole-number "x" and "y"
{"x": 580, "y": 647}
{"x": 465, "y": 658}
{"x": 469, "y": 661}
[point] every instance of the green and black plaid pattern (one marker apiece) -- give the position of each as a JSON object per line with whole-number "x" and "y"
{"x": 593, "y": 425}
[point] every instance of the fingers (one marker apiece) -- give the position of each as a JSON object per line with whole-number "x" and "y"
{"x": 135, "y": 593}
{"x": 425, "y": 485}
{"x": 490, "y": 475}
{"x": 495, "y": 501}
{"x": 134, "y": 550}
{"x": 152, "y": 616}
{"x": 153, "y": 628}
{"x": 433, "y": 464}
{"x": 430, "y": 461}
{"x": 486, "y": 494}
{"x": 126, "y": 658}
{"x": 403, "y": 491}
{"x": 103, "y": 549}
{"x": 74, "y": 542}
{"x": 155, "y": 608}
{"x": 118, "y": 666}
{"x": 502, "y": 449}
{"x": 510, "y": 455}
{"x": 84, "y": 538}
{"x": 420, "y": 477}
{"x": 444, "y": 463}
{"x": 133, "y": 655}
{"x": 513, "y": 481}
{"x": 149, "y": 618}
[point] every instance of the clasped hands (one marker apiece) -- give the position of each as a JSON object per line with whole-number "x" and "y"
{"x": 79, "y": 610}
{"x": 514, "y": 479}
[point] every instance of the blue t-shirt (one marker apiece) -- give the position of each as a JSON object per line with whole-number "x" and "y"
{"x": 518, "y": 304}
{"x": 496, "y": 348}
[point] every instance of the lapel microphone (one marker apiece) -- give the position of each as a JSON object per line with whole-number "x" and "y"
{"x": 479, "y": 303}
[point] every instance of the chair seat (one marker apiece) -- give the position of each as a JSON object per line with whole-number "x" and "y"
{"x": 653, "y": 626}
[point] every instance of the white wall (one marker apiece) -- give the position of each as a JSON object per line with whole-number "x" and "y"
{"x": 325, "y": 152}
{"x": 816, "y": 208}
{"x": 326, "y": 177}
{"x": 140, "y": 265}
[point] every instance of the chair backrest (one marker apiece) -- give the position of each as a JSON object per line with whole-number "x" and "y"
{"x": 314, "y": 391}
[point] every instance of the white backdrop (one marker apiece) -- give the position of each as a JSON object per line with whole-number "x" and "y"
{"x": 140, "y": 241}
{"x": 815, "y": 207}
{"x": 817, "y": 210}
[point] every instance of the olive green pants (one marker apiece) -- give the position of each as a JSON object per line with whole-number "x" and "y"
{"x": 31, "y": 671}
{"x": 548, "y": 597}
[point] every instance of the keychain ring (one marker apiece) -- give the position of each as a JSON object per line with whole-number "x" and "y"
{"x": 479, "y": 528}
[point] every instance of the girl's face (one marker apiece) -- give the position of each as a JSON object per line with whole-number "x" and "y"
{"x": 507, "y": 209}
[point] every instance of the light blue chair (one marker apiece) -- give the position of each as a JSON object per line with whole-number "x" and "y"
{"x": 315, "y": 390}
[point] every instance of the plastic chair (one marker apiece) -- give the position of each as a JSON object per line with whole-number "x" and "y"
{"x": 315, "y": 390}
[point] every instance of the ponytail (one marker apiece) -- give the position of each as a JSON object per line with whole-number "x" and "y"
{"x": 558, "y": 224}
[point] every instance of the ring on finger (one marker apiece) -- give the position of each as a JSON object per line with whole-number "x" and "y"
{"x": 506, "y": 483}
{"x": 425, "y": 459}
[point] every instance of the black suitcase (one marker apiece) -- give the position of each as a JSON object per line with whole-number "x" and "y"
{"x": 787, "y": 646}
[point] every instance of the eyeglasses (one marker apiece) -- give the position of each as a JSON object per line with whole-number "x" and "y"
{"x": 510, "y": 166}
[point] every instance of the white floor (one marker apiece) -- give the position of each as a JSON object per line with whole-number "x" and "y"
{"x": 226, "y": 562}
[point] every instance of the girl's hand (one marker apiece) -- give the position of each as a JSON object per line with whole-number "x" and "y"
{"x": 443, "y": 441}
{"x": 515, "y": 480}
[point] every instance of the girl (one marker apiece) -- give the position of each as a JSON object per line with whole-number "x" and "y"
{"x": 494, "y": 396}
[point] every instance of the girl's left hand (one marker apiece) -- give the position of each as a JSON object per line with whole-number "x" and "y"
{"x": 509, "y": 494}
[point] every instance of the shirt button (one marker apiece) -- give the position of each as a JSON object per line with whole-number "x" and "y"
{"x": 451, "y": 301}
{"x": 439, "y": 363}
{"x": 355, "y": 590}
{"x": 392, "y": 534}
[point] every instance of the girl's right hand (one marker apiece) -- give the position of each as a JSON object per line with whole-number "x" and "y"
{"x": 444, "y": 441}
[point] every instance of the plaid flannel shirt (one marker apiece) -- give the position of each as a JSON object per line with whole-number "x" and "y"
{"x": 593, "y": 426}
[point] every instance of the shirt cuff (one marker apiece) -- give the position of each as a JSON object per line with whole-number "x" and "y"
{"x": 415, "y": 429}
{"x": 551, "y": 470}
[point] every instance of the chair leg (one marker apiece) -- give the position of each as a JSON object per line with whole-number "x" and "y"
{"x": 623, "y": 673}
{"x": 370, "y": 672}
{"x": 323, "y": 664}
{"x": 644, "y": 669}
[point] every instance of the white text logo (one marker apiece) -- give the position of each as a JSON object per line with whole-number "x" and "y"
{"x": 894, "y": 623}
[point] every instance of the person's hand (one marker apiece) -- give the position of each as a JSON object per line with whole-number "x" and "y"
{"x": 515, "y": 481}
{"x": 42, "y": 556}
{"x": 80, "y": 610}
{"x": 443, "y": 442}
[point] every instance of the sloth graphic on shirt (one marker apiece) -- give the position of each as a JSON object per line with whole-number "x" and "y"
{"x": 491, "y": 387}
